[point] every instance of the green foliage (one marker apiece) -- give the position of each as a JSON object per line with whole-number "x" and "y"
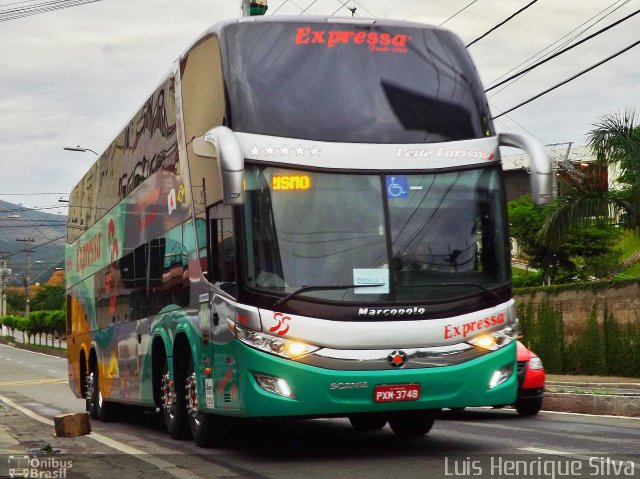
{"x": 543, "y": 333}
{"x": 615, "y": 140}
{"x": 586, "y": 253}
{"x": 525, "y": 278}
{"x": 16, "y": 301}
{"x": 48, "y": 297}
{"x": 37, "y": 322}
{"x": 601, "y": 348}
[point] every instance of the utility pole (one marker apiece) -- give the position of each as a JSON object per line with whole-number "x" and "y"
{"x": 28, "y": 249}
{"x": 4, "y": 273}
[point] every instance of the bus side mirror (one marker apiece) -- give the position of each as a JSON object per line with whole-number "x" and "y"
{"x": 541, "y": 171}
{"x": 220, "y": 142}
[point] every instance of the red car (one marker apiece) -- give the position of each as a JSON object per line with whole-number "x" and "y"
{"x": 530, "y": 382}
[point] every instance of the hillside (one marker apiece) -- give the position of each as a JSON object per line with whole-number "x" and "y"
{"x": 48, "y": 232}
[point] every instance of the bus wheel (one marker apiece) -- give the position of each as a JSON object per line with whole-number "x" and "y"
{"x": 174, "y": 410}
{"x": 91, "y": 397}
{"x": 201, "y": 424}
{"x": 368, "y": 421}
{"x": 411, "y": 423}
{"x": 96, "y": 405}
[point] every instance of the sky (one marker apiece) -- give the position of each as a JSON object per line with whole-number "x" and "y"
{"x": 75, "y": 76}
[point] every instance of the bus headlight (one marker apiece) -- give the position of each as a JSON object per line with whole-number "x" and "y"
{"x": 273, "y": 344}
{"x": 495, "y": 339}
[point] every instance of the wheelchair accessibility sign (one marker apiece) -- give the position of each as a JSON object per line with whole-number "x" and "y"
{"x": 397, "y": 187}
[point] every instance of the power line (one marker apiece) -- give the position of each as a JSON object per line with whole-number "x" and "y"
{"x": 31, "y": 194}
{"x": 532, "y": 57}
{"x": 308, "y": 6}
{"x": 16, "y": 253}
{"x": 502, "y": 23}
{"x": 342, "y": 5}
{"x": 458, "y": 12}
{"x": 568, "y": 79}
{"x": 364, "y": 8}
{"x": 283, "y": 4}
{"x": 493, "y": 107}
{"x": 42, "y": 7}
{"x": 536, "y": 65}
{"x": 42, "y": 208}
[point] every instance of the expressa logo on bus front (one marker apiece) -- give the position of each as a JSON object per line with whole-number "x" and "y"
{"x": 379, "y": 42}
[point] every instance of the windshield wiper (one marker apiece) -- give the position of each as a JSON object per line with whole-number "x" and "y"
{"x": 322, "y": 288}
{"x": 493, "y": 294}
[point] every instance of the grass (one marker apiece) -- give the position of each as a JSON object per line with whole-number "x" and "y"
{"x": 629, "y": 244}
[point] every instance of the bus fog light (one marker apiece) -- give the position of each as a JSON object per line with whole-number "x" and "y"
{"x": 274, "y": 385}
{"x": 500, "y": 376}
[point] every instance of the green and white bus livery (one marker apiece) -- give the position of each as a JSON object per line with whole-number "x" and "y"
{"x": 305, "y": 219}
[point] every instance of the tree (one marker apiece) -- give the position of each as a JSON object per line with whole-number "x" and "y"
{"x": 526, "y": 220}
{"x": 57, "y": 322}
{"x": 48, "y": 297}
{"x": 16, "y": 301}
{"x": 615, "y": 140}
{"x": 56, "y": 279}
{"x": 584, "y": 253}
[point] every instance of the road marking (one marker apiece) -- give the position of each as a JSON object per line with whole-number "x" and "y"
{"x": 32, "y": 352}
{"x": 543, "y": 432}
{"x": 161, "y": 464}
{"x": 29, "y": 382}
{"x": 52, "y": 371}
{"x": 581, "y": 457}
{"x": 543, "y": 451}
{"x": 26, "y": 411}
{"x": 592, "y": 415}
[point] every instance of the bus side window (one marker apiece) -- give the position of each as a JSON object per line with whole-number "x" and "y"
{"x": 222, "y": 248}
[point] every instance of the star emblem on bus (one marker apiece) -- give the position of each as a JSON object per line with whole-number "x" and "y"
{"x": 397, "y": 358}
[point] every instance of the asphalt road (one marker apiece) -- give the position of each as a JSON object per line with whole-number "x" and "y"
{"x": 473, "y": 443}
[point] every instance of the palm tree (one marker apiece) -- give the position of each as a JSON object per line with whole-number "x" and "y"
{"x": 615, "y": 141}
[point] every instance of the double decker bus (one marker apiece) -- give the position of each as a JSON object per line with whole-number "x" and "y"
{"x": 305, "y": 219}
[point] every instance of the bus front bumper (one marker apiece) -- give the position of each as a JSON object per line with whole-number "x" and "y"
{"x": 317, "y": 392}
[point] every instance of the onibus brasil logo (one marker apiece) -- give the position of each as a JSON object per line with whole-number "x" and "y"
{"x": 39, "y": 467}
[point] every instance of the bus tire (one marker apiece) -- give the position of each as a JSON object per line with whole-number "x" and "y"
{"x": 91, "y": 395}
{"x": 173, "y": 403}
{"x": 204, "y": 427}
{"x": 411, "y": 423}
{"x": 96, "y": 405}
{"x": 368, "y": 421}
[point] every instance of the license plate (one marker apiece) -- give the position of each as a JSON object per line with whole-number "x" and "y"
{"x": 396, "y": 392}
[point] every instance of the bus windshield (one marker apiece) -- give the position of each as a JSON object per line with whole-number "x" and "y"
{"x": 387, "y": 84}
{"x": 411, "y": 237}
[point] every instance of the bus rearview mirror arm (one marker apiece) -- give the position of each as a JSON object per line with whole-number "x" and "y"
{"x": 222, "y": 143}
{"x": 541, "y": 171}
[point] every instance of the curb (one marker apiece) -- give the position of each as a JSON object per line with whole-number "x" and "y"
{"x": 597, "y": 404}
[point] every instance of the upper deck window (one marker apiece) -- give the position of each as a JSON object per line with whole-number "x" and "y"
{"x": 352, "y": 83}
